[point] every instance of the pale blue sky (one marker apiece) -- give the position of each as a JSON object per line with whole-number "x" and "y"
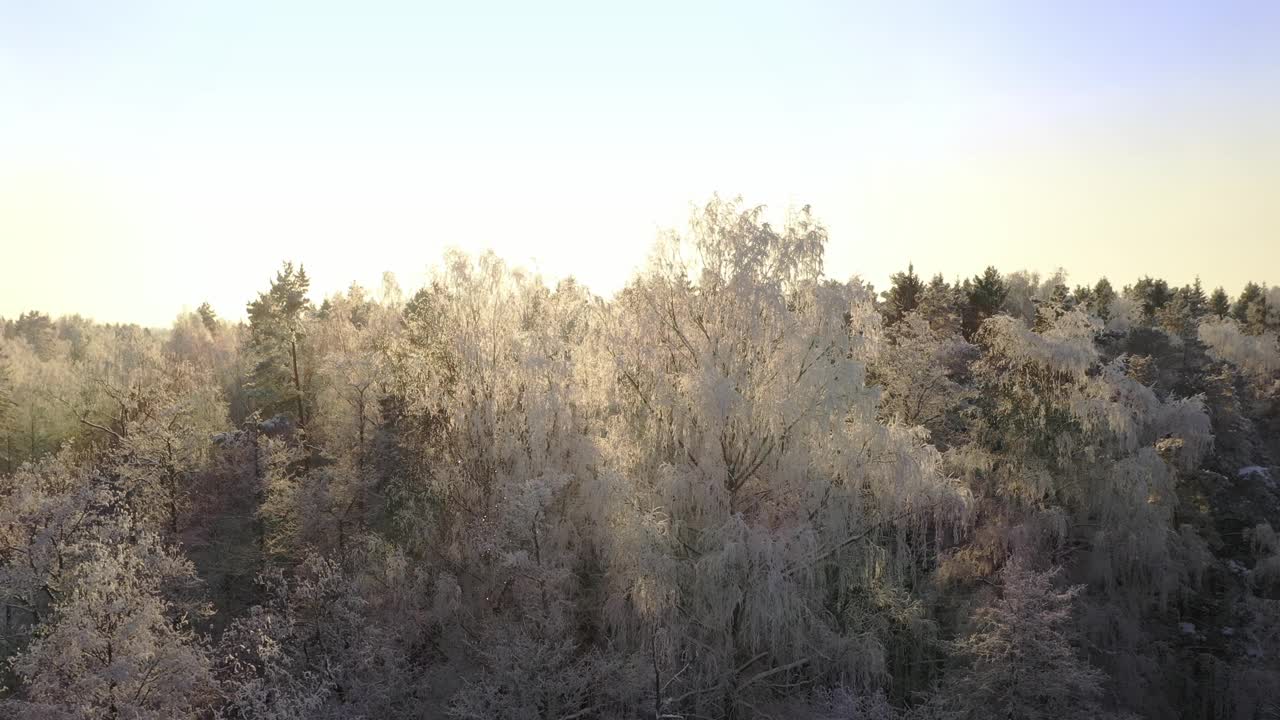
{"x": 157, "y": 154}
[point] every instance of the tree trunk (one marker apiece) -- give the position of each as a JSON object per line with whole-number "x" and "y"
{"x": 297, "y": 383}
{"x": 173, "y": 491}
{"x": 261, "y": 493}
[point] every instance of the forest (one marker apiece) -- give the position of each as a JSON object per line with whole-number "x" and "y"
{"x": 738, "y": 488}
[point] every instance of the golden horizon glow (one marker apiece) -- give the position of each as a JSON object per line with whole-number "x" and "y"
{"x": 129, "y": 191}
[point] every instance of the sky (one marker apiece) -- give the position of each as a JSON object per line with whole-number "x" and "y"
{"x": 154, "y": 155}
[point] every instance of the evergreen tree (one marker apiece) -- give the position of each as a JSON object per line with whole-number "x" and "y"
{"x": 38, "y": 330}
{"x": 1197, "y": 303}
{"x": 1082, "y": 295}
{"x": 277, "y": 326}
{"x": 1250, "y": 308}
{"x": 1177, "y": 317}
{"x": 208, "y": 317}
{"x": 1101, "y": 298}
{"x": 1058, "y": 303}
{"x": 985, "y": 295}
{"x": 942, "y": 304}
{"x": 1219, "y": 303}
{"x": 903, "y": 295}
{"x": 1151, "y": 294}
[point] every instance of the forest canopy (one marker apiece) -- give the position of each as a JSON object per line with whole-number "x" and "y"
{"x": 736, "y": 489}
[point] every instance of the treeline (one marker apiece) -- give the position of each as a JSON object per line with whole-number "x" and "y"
{"x": 737, "y": 489}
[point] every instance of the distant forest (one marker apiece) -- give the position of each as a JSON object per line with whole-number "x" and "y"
{"x": 736, "y": 489}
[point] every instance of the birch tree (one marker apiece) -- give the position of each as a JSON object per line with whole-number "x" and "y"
{"x": 753, "y": 497}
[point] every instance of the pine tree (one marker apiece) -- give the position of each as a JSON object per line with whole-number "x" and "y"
{"x": 1101, "y": 299}
{"x": 1250, "y": 308}
{"x": 903, "y": 295}
{"x": 208, "y": 317}
{"x": 38, "y": 330}
{"x": 1219, "y": 303}
{"x": 1177, "y": 317}
{"x": 1058, "y": 303}
{"x": 985, "y": 295}
{"x": 1082, "y": 295}
{"x": 942, "y": 304}
{"x": 1197, "y": 303}
{"x": 277, "y": 325}
{"x": 1151, "y": 294}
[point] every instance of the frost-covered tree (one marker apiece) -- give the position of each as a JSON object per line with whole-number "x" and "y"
{"x": 735, "y": 489}
{"x": 331, "y": 641}
{"x": 114, "y": 646}
{"x": 1027, "y": 292}
{"x": 7, "y": 407}
{"x": 752, "y": 491}
{"x": 1020, "y": 659}
{"x": 38, "y": 422}
{"x": 47, "y": 512}
{"x": 529, "y": 672}
{"x": 216, "y": 347}
{"x": 1177, "y": 318}
{"x": 355, "y": 341}
{"x": 1081, "y": 436}
{"x": 1257, "y": 355}
{"x": 502, "y": 385}
{"x": 104, "y": 606}
{"x": 917, "y": 368}
{"x": 154, "y": 417}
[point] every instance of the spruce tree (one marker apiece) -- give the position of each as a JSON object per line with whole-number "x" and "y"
{"x": 1151, "y": 294}
{"x": 985, "y": 294}
{"x": 1243, "y": 310}
{"x": 942, "y": 304}
{"x": 903, "y": 295}
{"x": 1219, "y": 303}
{"x": 1197, "y": 303}
{"x": 1102, "y": 297}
